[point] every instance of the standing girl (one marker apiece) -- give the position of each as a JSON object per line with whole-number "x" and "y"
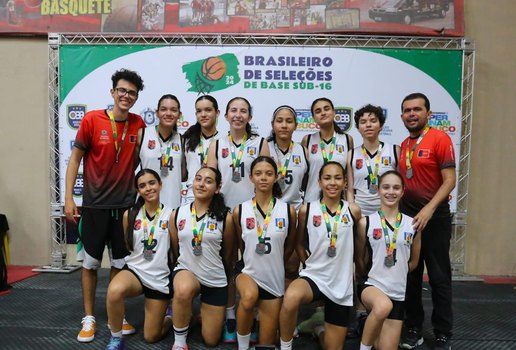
{"x": 161, "y": 150}
{"x": 329, "y": 144}
{"x": 266, "y": 226}
{"x": 387, "y": 248}
{"x": 197, "y": 139}
{"x": 202, "y": 240}
{"x": 367, "y": 162}
{"x": 147, "y": 269}
{"x": 325, "y": 230}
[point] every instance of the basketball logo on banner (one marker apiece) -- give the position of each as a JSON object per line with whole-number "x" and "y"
{"x": 212, "y": 73}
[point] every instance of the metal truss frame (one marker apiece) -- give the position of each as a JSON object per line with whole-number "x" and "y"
{"x": 58, "y": 232}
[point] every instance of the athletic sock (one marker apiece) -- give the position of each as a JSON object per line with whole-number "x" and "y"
{"x": 243, "y": 341}
{"x": 117, "y": 334}
{"x": 365, "y": 347}
{"x": 286, "y": 345}
{"x": 180, "y": 335}
{"x": 230, "y": 312}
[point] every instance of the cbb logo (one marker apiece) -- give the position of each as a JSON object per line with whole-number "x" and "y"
{"x": 78, "y": 186}
{"x": 74, "y": 115}
{"x": 343, "y": 117}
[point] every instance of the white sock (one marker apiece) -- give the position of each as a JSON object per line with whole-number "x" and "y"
{"x": 286, "y": 345}
{"x": 117, "y": 334}
{"x": 180, "y": 335}
{"x": 230, "y": 312}
{"x": 365, "y": 347}
{"x": 318, "y": 330}
{"x": 243, "y": 341}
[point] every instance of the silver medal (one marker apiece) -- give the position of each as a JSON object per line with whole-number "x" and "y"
{"x": 373, "y": 189}
{"x": 260, "y": 248}
{"x": 389, "y": 260}
{"x": 331, "y": 252}
{"x": 197, "y": 250}
{"x": 148, "y": 254}
{"x": 236, "y": 177}
{"x": 164, "y": 172}
{"x": 409, "y": 173}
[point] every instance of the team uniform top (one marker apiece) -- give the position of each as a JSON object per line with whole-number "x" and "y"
{"x": 332, "y": 275}
{"x": 108, "y": 184}
{"x": 154, "y": 273}
{"x": 316, "y": 160}
{"x": 265, "y": 269}
{"x": 296, "y": 169}
{"x": 390, "y": 280}
{"x": 369, "y": 202}
{"x": 194, "y": 161}
{"x": 207, "y": 267}
{"x": 237, "y": 192}
{"x": 153, "y": 146}
{"x": 434, "y": 153}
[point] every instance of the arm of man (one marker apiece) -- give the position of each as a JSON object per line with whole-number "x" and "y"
{"x": 70, "y": 208}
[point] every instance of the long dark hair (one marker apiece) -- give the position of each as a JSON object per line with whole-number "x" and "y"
{"x": 192, "y": 135}
{"x": 276, "y": 189}
{"x": 173, "y": 98}
{"x": 217, "y": 208}
{"x": 321, "y": 171}
{"x": 336, "y": 127}
{"x": 272, "y": 136}
{"x": 248, "y": 128}
{"x": 135, "y": 209}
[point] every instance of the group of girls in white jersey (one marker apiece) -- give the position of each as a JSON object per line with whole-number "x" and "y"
{"x": 255, "y": 210}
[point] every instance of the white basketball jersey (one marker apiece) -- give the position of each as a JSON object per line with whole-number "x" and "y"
{"x": 237, "y": 192}
{"x": 207, "y": 267}
{"x": 390, "y": 280}
{"x": 332, "y": 275}
{"x": 367, "y": 201}
{"x": 267, "y": 269}
{"x": 152, "y": 148}
{"x": 194, "y": 161}
{"x": 296, "y": 169}
{"x": 154, "y": 273}
{"x": 316, "y": 160}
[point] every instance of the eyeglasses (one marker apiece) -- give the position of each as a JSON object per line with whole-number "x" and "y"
{"x": 122, "y": 92}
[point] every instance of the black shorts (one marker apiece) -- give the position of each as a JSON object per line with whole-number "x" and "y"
{"x": 99, "y": 227}
{"x": 264, "y": 295}
{"x": 398, "y": 307}
{"x": 151, "y": 293}
{"x": 333, "y": 313}
{"x": 216, "y": 296}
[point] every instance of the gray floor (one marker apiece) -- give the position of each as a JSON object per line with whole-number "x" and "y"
{"x": 44, "y": 312}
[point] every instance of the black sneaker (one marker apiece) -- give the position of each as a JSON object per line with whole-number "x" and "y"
{"x": 412, "y": 339}
{"x": 442, "y": 342}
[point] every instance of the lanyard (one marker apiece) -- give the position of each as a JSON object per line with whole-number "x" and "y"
{"x": 262, "y": 231}
{"x": 197, "y": 233}
{"x": 336, "y": 219}
{"x": 390, "y": 246}
{"x": 146, "y": 236}
{"x": 373, "y": 175}
{"x": 236, "y": 159}
{"x": 165, "y": 155}
{"x": 410, "y": 154}
{"x": 115, "y": 134}
{"x": 203, "y": 153}
{"x": 323, "y": 149}
{"x": 282, "y": 169}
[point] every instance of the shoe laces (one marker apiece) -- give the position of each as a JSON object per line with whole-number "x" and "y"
{"x": 441, "y": 339}
{"x": 88, "y": 322}
{"x": 413, "y": 331}
{"x": 114, "y": 343}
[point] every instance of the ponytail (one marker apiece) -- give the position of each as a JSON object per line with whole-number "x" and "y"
{"x": 192, "y": 137}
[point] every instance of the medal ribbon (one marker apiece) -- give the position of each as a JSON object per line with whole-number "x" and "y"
{"x": 165, "y": 156}
{"x": 204, "y": 153}
{"x": 373, "y": 175}
{"x": 236, "y": 160}
{"x": 197, "y": 233}
{"x": 115, "y": 134}
{"x": 336, "y": 219}
{"x": 410, "y": 154}
{"x": 323, "y": 149}
{"x": 282, "y": 169}
{"x": 146, "y": 236}
{"x": 262, "y": 231}
{"x": 390, "y": 246}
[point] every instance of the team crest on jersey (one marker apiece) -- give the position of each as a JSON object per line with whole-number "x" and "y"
{"x": 225, "y": 152}
{"x": 296, "y": 159}
{"x": 314, "y": 149}
{"x": 251, "y": 151}
{"x": 163, "y": 224}
{"x": 340, "y": 148}
{"x": 175, "y": 147}
{"x": 151, "y": 144}
{"x": 317, "y": 220}
{"x": 359, "y": 163}
{"x": 132, "y": 138}
{"x": 182, "y": 223}
{"x": 377, "y": 233}
{"x": 408, "y": 237}
{"x": 423, "y": 153}
{"x": 280, "y": 223}
{"x": 345, "y": 219}
{"x": 212, "y": 225}
{"x": 249, "y": 223}
{"x": 386, "y": 160}
{"x": 137, "y": 224}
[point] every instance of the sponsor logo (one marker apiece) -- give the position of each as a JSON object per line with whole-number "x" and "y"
{"x": 377, "y": 233}
{"x": 408, "y": 237}
{"x": 340, "y": 148}
{"x": 212, "y": 73}
{"x": 317, "y": 220}
{"x": 249, "y": 223}
{"x": 305, "y": 122}
{"x": 149, "y": 116}
{"x": 132, "y": 138}
{"x": 441, "y": 121}
{"x": 78, "y": 186}
{"x": 137, "y": 224}
{"x": 343, "y": 117}
{"x": 74, "y": 115}
{"x": 359, "y": 163}
{"x": 175, "y": 147}
{"x": 151, "y": 144}
{"x": 182, "y": 224}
